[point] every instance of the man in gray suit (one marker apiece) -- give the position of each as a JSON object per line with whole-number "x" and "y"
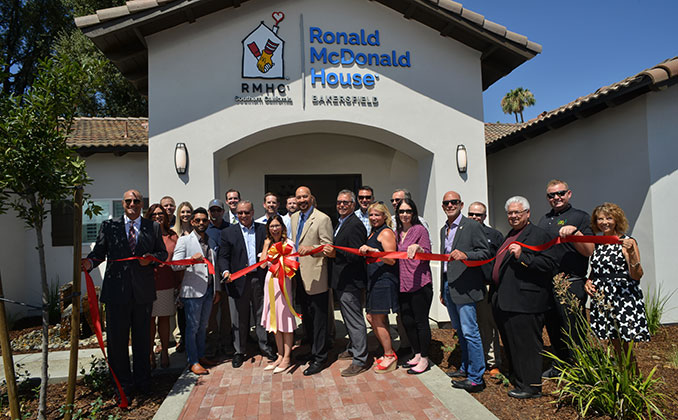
{"x": 462, "y": 287}
{"x": 199, "y": 289}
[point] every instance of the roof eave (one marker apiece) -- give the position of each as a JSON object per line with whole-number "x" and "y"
{"x": 122, "y": 39}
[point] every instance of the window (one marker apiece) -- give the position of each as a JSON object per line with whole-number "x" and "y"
{"x": 62, "y": 220}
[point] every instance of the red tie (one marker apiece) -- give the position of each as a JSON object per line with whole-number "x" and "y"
{"x": 132, "y": 238}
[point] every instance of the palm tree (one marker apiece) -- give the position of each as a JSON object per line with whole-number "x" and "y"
{"x": 516, "y": 101}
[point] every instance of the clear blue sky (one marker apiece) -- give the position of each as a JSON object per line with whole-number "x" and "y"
{"x": 586, "y": 45}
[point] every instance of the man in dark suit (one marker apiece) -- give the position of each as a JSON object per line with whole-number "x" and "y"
{"x": 239, "y": 246}
{"x": 348, "y": 275}
{"x": 128, "y": 289}
{"x": 461, "y": 287}
{"x": 488, "y": 329}
{"x": 522, "y": 287}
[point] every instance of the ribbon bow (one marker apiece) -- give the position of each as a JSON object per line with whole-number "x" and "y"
{"x": 282, "y": 267}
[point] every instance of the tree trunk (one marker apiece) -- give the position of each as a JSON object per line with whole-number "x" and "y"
{"x": 8, "y": 362}
{"x": 515, "y": 114}
{"x": 521, "y": 117}
{"x": 75, "y": 302}
{"x": 42, "y": 402}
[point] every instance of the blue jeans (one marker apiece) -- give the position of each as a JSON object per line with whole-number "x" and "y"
{"x": 197, "y": 316}
{"x": 464, "y": 320}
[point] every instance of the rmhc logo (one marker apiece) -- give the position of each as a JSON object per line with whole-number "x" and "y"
{"x": 262, "y": 52}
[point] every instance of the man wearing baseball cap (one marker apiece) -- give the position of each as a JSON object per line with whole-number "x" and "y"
{"x": 219, "y": 339}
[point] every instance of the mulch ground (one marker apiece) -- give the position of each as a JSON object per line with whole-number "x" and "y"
{"x": 656, "y": 353}
{"x": 142, "y": 408}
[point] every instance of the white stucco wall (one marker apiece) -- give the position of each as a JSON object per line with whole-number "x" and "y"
{"x": 621, "y": 155}
{"x": 19, "y": 257}
{"x": 424, "y": 111}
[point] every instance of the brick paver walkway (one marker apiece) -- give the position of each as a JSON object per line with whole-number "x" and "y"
{"x": 252, "y": 393}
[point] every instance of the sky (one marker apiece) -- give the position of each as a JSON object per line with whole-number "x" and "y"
{"x": 586, "y": 45}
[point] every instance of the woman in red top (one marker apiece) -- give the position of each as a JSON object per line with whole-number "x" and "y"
{"x": 166, "y": 282}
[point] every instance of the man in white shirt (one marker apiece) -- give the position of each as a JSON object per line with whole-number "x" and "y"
{"x": 365, "y": 199}
{"x": 271, "y": 206}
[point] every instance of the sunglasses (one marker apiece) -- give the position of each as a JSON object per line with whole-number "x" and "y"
{"x": 405, "y": 211}
{"x": 201, "y": 220}
{"x": 129, "y": 201}
{"x": 396, "y": 200}
{"x": 453, "y": 202}
{"x": 243, "y": 212}
{"x": 364, "y": 197}
{"x": 343, "y": 202}
{"x": 476, "y": 214}
{"x": 557, "y": 193}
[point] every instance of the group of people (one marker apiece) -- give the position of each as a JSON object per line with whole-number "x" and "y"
{"x": 511, "y": 297}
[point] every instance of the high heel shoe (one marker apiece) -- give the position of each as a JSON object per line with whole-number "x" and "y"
{"x": 279, "y": 369}
{"x": 384, "y": 369}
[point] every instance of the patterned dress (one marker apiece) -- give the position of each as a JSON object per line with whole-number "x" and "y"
{"x": 619, "y": 311}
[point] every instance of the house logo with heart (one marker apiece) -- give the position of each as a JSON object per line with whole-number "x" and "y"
{"x": 263, "y": 51}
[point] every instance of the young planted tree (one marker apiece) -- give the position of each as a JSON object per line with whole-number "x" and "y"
{"x": 516, "y": 101}
{"x": 36, "y": 164}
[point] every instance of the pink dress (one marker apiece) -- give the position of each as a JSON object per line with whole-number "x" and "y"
{"x": 285, "y": 321}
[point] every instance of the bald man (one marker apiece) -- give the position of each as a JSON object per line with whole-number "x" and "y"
{"x": 128, "y": 289}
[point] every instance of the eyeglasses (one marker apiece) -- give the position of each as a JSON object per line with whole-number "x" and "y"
{"x": 557, "y": 193}
{"x": 476, "y": 214}
{"x": 364, "y": 197}
{"x": 343, "y": 202}
{"x": 405, "y": 211}
{"x": 396, "y": 200}
{"x": 242, "y": 212}
{"x": 515, "y": 213}
{"x": 453, "y": 202}
{"x": 157, "y": 214}
{"x": 129, "y": 201}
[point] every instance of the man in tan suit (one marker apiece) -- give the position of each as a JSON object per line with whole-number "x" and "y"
{"x": 310, "y": 229}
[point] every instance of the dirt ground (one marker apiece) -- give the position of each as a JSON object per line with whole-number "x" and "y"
{"x": 655, "y": 353}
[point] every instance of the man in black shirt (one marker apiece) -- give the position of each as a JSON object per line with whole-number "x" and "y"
{"x": 570, "y": 261}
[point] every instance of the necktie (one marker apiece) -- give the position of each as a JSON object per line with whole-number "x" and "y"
{"x": 300, "y": 228}
{"x": 234, "y": 219}
{"x": 132, "y": 238}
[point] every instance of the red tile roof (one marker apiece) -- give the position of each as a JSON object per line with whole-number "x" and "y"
{"x": 94, "y": 134}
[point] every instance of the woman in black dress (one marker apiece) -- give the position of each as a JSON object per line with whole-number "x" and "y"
{"x": 382, "y": 287}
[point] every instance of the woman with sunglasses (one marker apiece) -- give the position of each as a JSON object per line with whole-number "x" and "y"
{"x": 166, "y": 283}
{"x": 416, "y": 285}
{"x": 284, "y": 324}
{"x": 382, "y": 285}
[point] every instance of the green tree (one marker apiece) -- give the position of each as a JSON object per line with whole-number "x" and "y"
{"x": 516, "y": 101}
{"x": 36, "y": 164}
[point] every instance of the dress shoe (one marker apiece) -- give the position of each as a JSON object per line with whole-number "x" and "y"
{"x": 353, "y": 370}
{"x": 238, "y": 360}
{"x": 468, "y": 386}
{"x": 552, "y": 372}
{"x": 523, "y": 395}
{"x": 457, "y": 374}
{"x": 198, "y": 369}
{"x": 413, "y": 371}
{"x": 345, "y": 355}
{"x": 269, "y": 354}
{"x": 314, "y": 368}
{"x": 207, "y": 362}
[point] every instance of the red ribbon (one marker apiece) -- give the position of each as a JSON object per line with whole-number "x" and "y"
{"x": 93, "y": 303}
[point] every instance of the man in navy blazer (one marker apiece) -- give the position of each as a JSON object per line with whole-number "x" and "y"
{"x": 521, "y": 294}
{"x": 128, "y": 289}
{"x": 462, "y": 287}
{"x": 240, "y": 247}
{"x": 349, "y": 278}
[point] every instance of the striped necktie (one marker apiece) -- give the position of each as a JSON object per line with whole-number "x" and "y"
{"x": 132, "y": 237}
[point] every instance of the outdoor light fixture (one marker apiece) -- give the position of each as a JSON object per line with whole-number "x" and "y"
{"x": 462, "y": 159}
{"x": 180, "y": 158}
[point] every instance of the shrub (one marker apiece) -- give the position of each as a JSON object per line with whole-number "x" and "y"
{"x": 655, "y": 304}
{"x": 598, "y": 380}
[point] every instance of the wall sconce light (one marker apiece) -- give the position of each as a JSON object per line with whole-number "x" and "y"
{"x": 181, "y": 158}
{"x": 462, "y": 159}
